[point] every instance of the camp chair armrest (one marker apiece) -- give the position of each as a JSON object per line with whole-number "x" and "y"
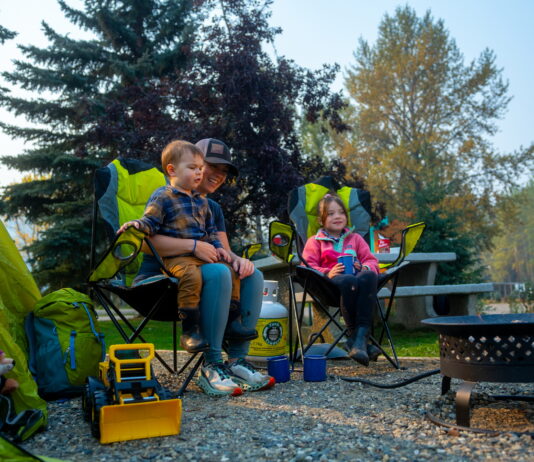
{"x": 387, "y": 275}
{"x": 312, "y": 270}
{"x": 157, "y": 256}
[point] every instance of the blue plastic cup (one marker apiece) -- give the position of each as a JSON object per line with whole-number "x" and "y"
{"x": 314, "y": 368}
{"x": 348, "y": 261}
{"x": 278, "y": 367}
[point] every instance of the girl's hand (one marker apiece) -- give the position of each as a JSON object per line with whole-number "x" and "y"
{"x": 357, "y": 266}
{"x": 206, "y": 252}
{"x": 126, "y": 225}
{"x": 336, "y": 270}
{"x": 223, "y": 255}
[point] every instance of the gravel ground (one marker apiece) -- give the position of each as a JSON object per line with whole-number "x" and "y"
{"x": 326, "y": 421}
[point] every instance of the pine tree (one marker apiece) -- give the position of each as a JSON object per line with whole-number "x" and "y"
{"x": 104, "y": 101}
{"x": 157, "y": 71}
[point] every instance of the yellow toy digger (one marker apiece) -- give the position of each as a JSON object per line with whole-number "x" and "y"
{"x": 126, "y": 402}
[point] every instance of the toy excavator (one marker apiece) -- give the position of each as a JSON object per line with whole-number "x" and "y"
{"x": 126, "y": 402}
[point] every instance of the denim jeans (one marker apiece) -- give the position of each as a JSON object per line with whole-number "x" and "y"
{"x": 215, "y": 304}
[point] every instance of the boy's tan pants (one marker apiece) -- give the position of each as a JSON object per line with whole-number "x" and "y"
{"x": 187, "y": 270}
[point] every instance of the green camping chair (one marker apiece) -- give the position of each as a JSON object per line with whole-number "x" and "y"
{"x": 122, "y": 190}
{"x": 303, "y": 203}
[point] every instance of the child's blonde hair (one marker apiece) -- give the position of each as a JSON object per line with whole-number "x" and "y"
{"x": 175, "y": 150}
{"x": 322, "y": 207}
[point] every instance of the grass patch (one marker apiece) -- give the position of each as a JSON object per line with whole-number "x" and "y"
{"x": 420, "y": 342}
{"x": 157, "y": 332}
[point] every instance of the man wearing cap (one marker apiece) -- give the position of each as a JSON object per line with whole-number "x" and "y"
{"x": 237, "y": 375}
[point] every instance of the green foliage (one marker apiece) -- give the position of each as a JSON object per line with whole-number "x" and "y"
{"x": 421, "y": 125}
{"x": 154, "y": 71}
{"x": 511, "y": 258}
{"x": 6, "y": 34}
{"x": 102, "y": 100}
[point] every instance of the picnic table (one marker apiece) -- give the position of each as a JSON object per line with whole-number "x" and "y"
{"x": 416, "y": 290}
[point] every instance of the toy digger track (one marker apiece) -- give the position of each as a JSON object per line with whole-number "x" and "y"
{"x": 126, "y": 402}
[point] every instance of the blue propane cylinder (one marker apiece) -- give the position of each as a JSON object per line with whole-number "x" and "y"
{"x": 272, "y": 326}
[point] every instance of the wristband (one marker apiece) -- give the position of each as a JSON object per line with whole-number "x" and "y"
{"x": 194, "y": 246}
{"x": 365, "y": 266}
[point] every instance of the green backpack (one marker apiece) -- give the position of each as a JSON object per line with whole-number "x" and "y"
{"x": 65, "y": 343}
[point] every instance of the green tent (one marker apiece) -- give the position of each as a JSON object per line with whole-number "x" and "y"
{"x": 18, "y": 294}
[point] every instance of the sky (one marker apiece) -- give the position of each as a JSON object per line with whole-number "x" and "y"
{"x": 317, "y": 32}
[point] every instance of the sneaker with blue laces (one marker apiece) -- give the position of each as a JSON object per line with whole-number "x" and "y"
{"x": 216, "y": 380}
{"x": 248, "y": 377}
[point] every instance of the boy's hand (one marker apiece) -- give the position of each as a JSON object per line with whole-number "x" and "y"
{"x": 206, "y": 252}
{"x": 336, "y": 270}
{"x": 223, "y": 255}
{"x": 126, "y": 225}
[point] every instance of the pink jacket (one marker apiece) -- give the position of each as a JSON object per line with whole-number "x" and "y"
{"x": 321, "y": 251}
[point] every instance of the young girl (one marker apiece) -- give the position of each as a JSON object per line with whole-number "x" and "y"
{"x": 358, "y": 291}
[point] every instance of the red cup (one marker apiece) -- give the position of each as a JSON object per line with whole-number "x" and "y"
{"x": 384, "y": 245}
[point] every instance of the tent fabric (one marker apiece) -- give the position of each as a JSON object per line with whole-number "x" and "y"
{"x": 18, "y": 294}
{"x": 11, "y": 452}
{"x": 303, "y": 202}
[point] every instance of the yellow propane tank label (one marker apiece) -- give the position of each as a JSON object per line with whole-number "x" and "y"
{"x": 272, "y": 337}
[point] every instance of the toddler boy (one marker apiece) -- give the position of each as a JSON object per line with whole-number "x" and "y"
{"x": 178, "y": 210}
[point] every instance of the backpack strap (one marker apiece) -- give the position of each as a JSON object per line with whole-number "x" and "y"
{"x": 99, "y": 336}
{"x": 72, "y": 345}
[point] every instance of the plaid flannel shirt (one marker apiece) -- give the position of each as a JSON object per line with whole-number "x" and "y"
{"x": 173, "y": 213}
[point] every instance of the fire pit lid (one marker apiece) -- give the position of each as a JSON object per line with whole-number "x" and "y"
{"x": 485, "y": 324}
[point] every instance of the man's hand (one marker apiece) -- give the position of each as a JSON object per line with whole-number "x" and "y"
{"x": 206, "y": 252}
{"x": 126, "y": 225}
{"x": 243, "y": 267}
{"x": 336, "y": 270}
{"x": 223, "y": 255}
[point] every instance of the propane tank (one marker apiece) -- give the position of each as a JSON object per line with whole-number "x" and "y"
{"x": 272, "y": 326}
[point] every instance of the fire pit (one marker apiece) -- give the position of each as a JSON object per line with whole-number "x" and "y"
{"x": 484, "y": 348}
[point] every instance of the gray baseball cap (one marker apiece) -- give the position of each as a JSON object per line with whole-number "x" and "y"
{"x": 216, "y": 152}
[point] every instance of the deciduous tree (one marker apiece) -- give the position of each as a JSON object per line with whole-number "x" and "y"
{"x": 422, "y": 121}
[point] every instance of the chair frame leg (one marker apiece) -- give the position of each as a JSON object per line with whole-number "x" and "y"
{"x": 332, "y": 320}
{"x": 191, "y": 374}
{"x": 112, "y": 312}
{"x": 385, "y": 326}
{"x": 299, "y": 314}
{"x": 294, "y": 317}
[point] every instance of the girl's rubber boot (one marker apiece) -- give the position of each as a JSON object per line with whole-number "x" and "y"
{"x": 358, "y": 352}
{"x": 373, "y": 352}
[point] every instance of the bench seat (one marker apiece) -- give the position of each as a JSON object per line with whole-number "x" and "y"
{"x": 448, "y": 289}
{"x": 415, "y": 303}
